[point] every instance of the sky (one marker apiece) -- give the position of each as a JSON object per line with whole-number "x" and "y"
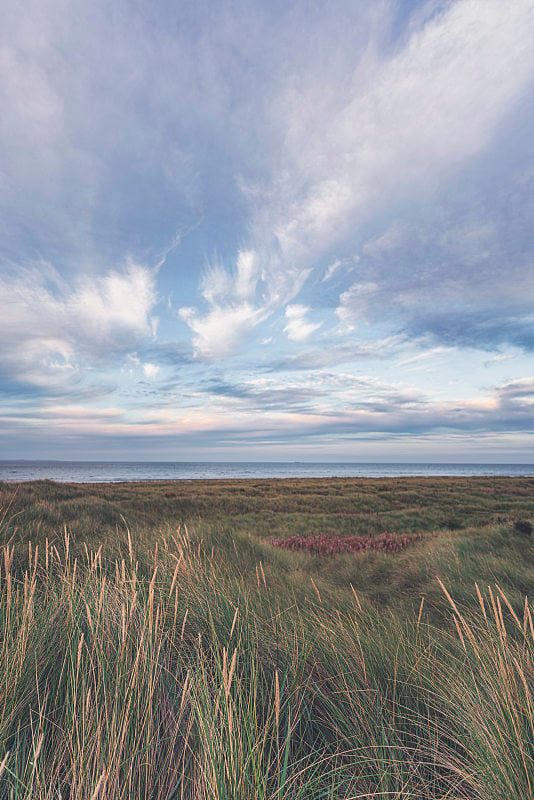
{"x": 238, "y": 230}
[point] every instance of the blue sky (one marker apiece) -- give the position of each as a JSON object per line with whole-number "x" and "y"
{"x": 247, "y": 231}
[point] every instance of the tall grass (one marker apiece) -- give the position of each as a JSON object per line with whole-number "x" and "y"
{"x": 166, "y": 674}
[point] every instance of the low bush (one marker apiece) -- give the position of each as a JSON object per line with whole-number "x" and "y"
{"x": 330, "y": 544}
{"x": 523, "y": 527}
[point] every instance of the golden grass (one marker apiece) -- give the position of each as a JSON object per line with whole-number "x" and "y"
{"x": 166, "y": 674}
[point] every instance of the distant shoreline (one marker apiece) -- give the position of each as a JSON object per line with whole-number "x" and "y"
{"x": 87, "y": 472}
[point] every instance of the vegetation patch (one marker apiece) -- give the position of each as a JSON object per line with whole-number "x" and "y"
{"x": 330, "y": 545}
{"x": 165, "y": 672}
{"x": 154, "y": 644}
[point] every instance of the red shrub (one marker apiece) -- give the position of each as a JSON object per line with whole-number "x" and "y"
{"x": 326, "y": 544}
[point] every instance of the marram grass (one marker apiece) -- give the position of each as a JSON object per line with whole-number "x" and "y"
{"x": 167, "y": 675}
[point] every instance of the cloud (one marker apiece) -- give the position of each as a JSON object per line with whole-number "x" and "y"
{"x": 113, "y": 308}
{"x": 363, "y": 173}
{"x": 499, "y": 358}
{"x": 486, "y": 329}
{"x": 354, "y": 303}
{"x": 401, "y": 123}
{"x": 265, "y": 393}
{"x": 352, "y": 405}
{"x": 51, "y": 330}
{"x": 336, "y": 353}
{"x": 347, "y": 263}
{"x": 232, "y": 315}
{"x": 150, "y": 370}
{"x": 386, "y": 242}
{"x": 293, "y": 416}
{"x": 222, "y": 331}
{"x": 237, "y": 302}
{"x": 96, "y": 149}
{"x": 426, "y": 355}
{"x": 443, "y": 277}
{"x": 297, "y": 328}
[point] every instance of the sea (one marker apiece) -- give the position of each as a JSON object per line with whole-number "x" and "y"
{"x": 120, "y": 471}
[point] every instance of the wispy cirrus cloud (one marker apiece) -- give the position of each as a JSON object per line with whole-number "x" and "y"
{"x": 449, "y": 284}
{"x": 52, "y": 330}
{"x": 346, "y": 263}
{"x": 232, "y": 314}
{"x": 297, "y": 327}
{"x": 399, "y": 124}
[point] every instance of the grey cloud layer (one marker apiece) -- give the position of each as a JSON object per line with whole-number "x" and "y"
{"x": 462, "y": 274}
{"x": 508, "y": 408}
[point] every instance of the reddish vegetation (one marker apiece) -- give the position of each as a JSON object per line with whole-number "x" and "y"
{"x": 328, "y": 545}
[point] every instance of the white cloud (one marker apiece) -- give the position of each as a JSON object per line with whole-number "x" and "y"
{"x": 499, "y": 358}
{"x": 247, "y": 275}
{"x": 354, "y": 304}
{"x": 387, "y": 241}
{"x": 150, "y": 370}
{"x": 347, "y": 263}
{"x": 46, "y": 324}
{"x": 115, "y": 306}
{"x": 88, "y": 153}
{"x": 221, "y": 331}
{"x": 231, "y": 315}
{"x": 426, "y": 355}
{"x": 404, "y": 121}
{"x": 298, "y": 329}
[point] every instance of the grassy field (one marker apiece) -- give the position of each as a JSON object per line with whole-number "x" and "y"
{"x": 158, "y": 642}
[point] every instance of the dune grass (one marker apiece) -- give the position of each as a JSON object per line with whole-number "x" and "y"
{"x": 172, "y": 660}
{"x": 465, "y": 530}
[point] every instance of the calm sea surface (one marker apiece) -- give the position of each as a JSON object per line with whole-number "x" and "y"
{"x": 112, "y": 471}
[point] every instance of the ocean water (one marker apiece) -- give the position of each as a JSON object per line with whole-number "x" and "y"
{"x": 114, "y": 471}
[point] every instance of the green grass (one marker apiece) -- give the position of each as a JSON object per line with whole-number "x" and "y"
{"x": 467, "y": 527}
{"x": 154, "y": 644}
